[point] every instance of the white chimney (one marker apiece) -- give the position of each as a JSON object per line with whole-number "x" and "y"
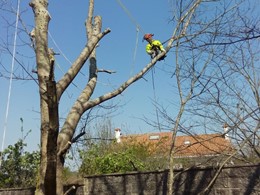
{"x": 118, "y": 135}
{"x": 226, "y": 129}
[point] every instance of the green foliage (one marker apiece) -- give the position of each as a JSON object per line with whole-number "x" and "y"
{"x": 102, "y": 155}
{"x": 18, "y": 168}
{"x": 111, "y": 158}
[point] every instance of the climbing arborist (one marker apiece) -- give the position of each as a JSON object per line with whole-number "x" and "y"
{"x": 154, "y": 47}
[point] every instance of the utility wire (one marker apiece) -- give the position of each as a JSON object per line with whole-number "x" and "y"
{"x": 57, "y": 46}
{"x": 11, "y": 79}
{"x": 54, "y": 42}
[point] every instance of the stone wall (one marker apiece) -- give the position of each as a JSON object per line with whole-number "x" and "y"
{"x": 235, "y": 180}
{"x": 17, "y": 191}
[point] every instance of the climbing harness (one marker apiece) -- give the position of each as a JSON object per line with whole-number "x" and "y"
{"x": 157, "y": 51}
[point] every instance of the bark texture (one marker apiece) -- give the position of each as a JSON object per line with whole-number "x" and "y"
{"x": 48, "y": 100}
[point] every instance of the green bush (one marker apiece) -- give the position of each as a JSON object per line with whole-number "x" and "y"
{"x": 18, "y": 168}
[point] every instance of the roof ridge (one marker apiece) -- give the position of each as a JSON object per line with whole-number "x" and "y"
{"x": 192, "y": 135}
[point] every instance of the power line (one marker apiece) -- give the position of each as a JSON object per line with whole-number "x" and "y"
{"x": 11, "y": 78}
{"x": 57, "y": 46}
{"x": 54, "y": 42}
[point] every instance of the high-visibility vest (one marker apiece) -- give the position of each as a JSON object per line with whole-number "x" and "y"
{"x": 153, "y": 46}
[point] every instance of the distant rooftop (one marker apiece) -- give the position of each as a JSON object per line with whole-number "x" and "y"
{"x": 185, "y": 146}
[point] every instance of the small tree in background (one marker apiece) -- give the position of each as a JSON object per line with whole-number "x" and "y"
{"x": 19, "y": 168}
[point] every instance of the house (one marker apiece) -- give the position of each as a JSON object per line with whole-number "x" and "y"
{"x": 189, "y": 148}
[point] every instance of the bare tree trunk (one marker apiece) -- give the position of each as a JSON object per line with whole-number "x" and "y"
{"x": 48, "y": 100}
{"x": 52, "y": 139}
{"x": 184, "y": 22}
{"x": 174, "y": 134}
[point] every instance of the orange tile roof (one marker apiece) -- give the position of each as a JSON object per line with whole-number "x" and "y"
{"x": 185, "y": 146}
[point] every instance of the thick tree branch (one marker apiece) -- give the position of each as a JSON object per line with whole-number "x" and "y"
{"x": 89, "y": 104}
{"x": 78, "y": 64}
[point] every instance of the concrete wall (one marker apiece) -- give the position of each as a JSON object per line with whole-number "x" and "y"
{"x": 236, "y": 180}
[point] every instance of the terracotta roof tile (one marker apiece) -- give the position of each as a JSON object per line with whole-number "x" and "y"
{"x": 197, "y": 145}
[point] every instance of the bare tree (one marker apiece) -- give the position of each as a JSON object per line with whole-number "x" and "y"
{"x": 55, "y": 143}
{"x": 232, "y": 92}
{"x": 214, "y": 72}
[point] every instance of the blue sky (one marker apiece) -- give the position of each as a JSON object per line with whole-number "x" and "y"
{"x": 116, "y": 52}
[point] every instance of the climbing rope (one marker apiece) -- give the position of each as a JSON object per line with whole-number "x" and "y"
{"x": 135, "y": 50}
{"x": 138, "y": 28}
{"x": 129, "y": 15}
{"x": 156, "y": 109}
